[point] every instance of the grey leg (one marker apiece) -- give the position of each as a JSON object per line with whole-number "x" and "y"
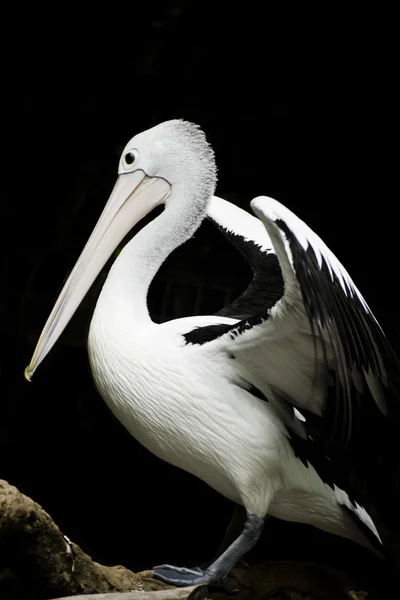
{"x": 234, "y": 529}
{"x": 219, "y": 569}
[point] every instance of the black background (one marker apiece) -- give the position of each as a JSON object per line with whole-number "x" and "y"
{"x": 298, "y": 105}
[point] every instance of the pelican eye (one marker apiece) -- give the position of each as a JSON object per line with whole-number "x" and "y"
{"x": 130, "y": 158}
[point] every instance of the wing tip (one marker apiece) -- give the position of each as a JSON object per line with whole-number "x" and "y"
{"x": 260, "y": 203}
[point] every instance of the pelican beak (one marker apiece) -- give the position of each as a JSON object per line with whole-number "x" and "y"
{"x": 133, "y": 197}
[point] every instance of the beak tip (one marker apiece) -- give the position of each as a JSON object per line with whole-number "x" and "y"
{"x": 27, "y": 374}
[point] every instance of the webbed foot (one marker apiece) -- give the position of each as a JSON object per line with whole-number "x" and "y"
{"x": 216, "y": 574}
{"x": 183, "y": 576}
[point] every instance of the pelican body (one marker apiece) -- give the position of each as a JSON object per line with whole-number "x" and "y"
{"x": 227, "y": 397}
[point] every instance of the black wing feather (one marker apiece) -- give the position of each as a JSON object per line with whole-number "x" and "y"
{"x": 253, "y": 305}
{"x": 354, "y": 334}
{"x": 360, "y": 428}
{"x": 266, "y": 287}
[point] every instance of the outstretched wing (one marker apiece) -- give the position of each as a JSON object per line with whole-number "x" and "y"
{"x": 306, "y": 337}
{"x": 353, "y": 346}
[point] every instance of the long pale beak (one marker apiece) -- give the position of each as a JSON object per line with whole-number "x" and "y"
{"x": 133, "y": 197}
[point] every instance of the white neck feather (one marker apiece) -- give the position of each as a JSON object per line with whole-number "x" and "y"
{"x": 124, "y": 294}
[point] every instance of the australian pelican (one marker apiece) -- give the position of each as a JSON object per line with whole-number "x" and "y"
{"x": 259, "y": 400}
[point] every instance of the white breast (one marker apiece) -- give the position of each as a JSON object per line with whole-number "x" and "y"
{"x": 179, "y": 403}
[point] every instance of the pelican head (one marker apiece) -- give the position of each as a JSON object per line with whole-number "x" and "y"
{"x": 173, "y": 155}
{"x": 172, "y": 151}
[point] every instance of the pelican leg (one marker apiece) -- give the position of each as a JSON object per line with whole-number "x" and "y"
{"x": 219, "y": 569}
{"x": 234, "y": 529}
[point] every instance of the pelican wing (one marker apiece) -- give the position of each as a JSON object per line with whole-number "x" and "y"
{"x": 347, "y": 337}
{"x": 306, "y": 337}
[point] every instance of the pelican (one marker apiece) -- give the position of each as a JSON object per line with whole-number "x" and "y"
{"x": 258, "y": 400}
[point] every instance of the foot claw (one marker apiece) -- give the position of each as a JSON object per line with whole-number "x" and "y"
{"x": 195, "y": 571}
{"x": 181, "y": 576}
